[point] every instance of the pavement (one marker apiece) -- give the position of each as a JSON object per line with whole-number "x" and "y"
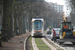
{"x": 15, "y": 43}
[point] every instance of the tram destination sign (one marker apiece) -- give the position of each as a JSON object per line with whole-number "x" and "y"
{"x": 37, "y": 20}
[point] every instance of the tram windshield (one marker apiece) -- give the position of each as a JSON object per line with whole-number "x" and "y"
{"x": 38, "y": 25}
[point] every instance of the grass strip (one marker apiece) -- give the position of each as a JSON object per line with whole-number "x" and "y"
{"x": 41, "y": 45}
{"x": 30, "y": 39}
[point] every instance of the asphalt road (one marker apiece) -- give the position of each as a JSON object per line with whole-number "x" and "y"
{"x": 66, "y": 45}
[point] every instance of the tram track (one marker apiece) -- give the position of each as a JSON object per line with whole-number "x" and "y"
{"x": 48, "y": 44}
{"x": 33, "y": 45}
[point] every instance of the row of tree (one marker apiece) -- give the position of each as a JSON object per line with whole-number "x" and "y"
{"x": 17, "y": 16}
{"x": 12, "y": 20}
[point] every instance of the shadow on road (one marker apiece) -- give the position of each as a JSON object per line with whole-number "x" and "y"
{"x": 39, "y": 37}
{"x": 67, "y": 45}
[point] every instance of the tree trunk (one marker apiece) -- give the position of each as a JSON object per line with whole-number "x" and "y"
{"x": 24, "y": 29}
{"x": 0, "y": 40}
{"x": 10, "y": 17}
{"x": 4, "y": 21}
{"x": 15, "y": 26}
{"x": 0, "y": 43}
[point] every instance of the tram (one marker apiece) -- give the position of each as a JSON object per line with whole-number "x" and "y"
{"x": 37, "y": 27}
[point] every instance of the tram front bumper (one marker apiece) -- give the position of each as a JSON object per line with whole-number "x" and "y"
{"x": 37, "y": 34}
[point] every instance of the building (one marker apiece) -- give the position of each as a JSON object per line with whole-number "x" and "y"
{"x": 72, "y": 14}
{"x": 58, "y": 8}
{"x": 58, "y": 15}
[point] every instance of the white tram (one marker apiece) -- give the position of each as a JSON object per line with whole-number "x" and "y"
{"x": 37, "y": 27}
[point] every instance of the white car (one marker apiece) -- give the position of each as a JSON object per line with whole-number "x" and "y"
{"x": 55, "y": 33}
{"x": 74, "y": 28}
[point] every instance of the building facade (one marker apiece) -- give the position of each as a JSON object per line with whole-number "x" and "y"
{"x": 58, "y": 15}
{"x": 58, "y": 8}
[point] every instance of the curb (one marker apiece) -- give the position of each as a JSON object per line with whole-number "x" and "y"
{"x": 26, "y": 42}
{"x": 50, "y": 46}
{"x": 34, "y": 44}
{"x": 56, "y": 44}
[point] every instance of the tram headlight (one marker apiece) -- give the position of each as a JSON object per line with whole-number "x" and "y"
{"x": 34, "y": 31}
{"x": 41, "y": 31}
{"x": 37, "y": 31}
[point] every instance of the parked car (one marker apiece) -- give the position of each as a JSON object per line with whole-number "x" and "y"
{"x": 55, "y": 33}
{"x": 48, "y": 31}
{"x": 74, "y": 28}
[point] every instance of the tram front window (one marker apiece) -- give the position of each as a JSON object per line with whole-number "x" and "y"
{"x": 37, "y": 25}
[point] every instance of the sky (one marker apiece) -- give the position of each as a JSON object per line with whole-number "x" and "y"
{"x": 60, "y": 2}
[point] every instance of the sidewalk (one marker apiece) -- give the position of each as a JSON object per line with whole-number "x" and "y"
{"x": 15, "y": 43}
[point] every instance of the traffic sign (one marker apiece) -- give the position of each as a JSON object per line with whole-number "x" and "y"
{"x": 49, "y": 26}
{"x": 59, "y": 23}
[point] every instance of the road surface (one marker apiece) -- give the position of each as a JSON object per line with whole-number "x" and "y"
{"x": 66, "y": 45}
